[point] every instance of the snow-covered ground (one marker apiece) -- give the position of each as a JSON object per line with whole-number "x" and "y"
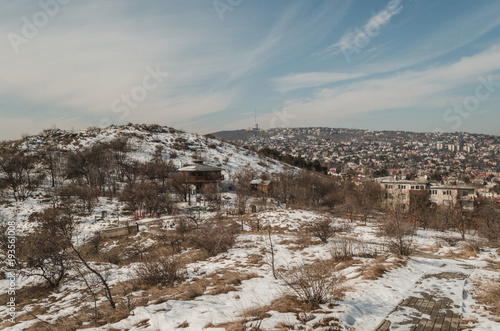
{"x": 438, "y": 269}
{"x": 367, "y": 302}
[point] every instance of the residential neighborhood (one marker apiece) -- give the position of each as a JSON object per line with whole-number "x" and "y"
{"x": 439, "y": 160}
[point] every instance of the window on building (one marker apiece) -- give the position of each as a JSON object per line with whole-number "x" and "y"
{"x": 434, "y": 192}
{"x": 402, "y": 187}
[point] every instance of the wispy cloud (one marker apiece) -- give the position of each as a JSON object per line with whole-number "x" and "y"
{"x": 310, "y": 79}
{"x": 454, "y": 32}
{"x": 425, "y": 88}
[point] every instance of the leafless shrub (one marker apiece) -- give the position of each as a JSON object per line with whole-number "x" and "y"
{"x": 346, "y": 250}
{"x": 185, "y": 224}
{"x": 450, "y": 240}
{"x": 313, "y": 284}
{"x": 160, "y": 271}
{"x": 345, "y": 226}
{"x": 341, "y": 250}
{"x": 214, "y": 237}
{"x": 322, "y": 228}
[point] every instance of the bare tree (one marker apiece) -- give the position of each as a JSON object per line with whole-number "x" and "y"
{"x": 148, "y": 197}
{"x": 182, "y": 185}
{"x": 400, "y": 231}
{"x": 46, "y": 249}
{"x": 487, "y": 219}
{"x": 60, "y": 224}
{"x": 213, "y": 197}
{"x": 271, "y": 250}
{"x": 53, "y": 160}
{"x": 242, "y": 178}
{"x": 20, "y": 173}
{"x": 159, "y": 168}
{"x": 285, "y": 186}
{"x": 368, "y": 198}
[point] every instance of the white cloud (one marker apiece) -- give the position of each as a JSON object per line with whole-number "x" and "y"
{"x": 402, "y": 90}
{"x": 311, "y": 79}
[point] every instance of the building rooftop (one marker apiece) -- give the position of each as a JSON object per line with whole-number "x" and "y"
{"x": 199, "y": 166}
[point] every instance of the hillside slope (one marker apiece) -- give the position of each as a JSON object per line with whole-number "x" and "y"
{"x": 181, "y": 147}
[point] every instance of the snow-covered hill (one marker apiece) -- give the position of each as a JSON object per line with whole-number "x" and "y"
{"x": 180, "y": 146}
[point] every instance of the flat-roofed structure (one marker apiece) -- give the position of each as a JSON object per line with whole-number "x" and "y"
{"x": 448, "y": 195}
{"x": 402, "y": 191}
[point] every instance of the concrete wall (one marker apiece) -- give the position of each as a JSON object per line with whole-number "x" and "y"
{"x": 117, "y": 232}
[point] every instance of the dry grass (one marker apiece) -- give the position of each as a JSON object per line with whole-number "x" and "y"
{"x": 285, "y": 304}
{"x": 27, "y": 294}
{"x": 230, "y": 326}
{"x": 183, "y": 325}
{"x": 299, "y": 242}
{"x": 468, "y": 251}
{"x": 492, "y": 264}
{"x": 380, "y": 266}
{"x": 255, "y": 259}
{"x": 229, "y": 281}
{"x": 375, "y": 271}
{"x": 488, "y": 293}
{"x": 213, "y": 284}
{"x": 85, "y": 314}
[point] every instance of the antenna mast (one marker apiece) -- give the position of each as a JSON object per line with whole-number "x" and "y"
{"x": 256, "y": 125}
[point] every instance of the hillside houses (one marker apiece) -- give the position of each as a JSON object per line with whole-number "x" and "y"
{"x": 447, "y": 158}
{"x": 460, "y": 153}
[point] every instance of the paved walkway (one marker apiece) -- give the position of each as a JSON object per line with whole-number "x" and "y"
{"x": 432, "y": 310}
{"x": 434, "y": 315}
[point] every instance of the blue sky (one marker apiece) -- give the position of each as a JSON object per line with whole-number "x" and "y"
{"x": 204, "y": 66}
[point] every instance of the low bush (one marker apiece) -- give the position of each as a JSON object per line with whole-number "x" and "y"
{"x": 313, "y": 284}
{"x": 214, "y": 237}
{"x": 322, "y": 228}
{"x": 160, "y": 271}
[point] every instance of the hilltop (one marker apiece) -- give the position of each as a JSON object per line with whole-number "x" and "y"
{"x": 179, "y": 146}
